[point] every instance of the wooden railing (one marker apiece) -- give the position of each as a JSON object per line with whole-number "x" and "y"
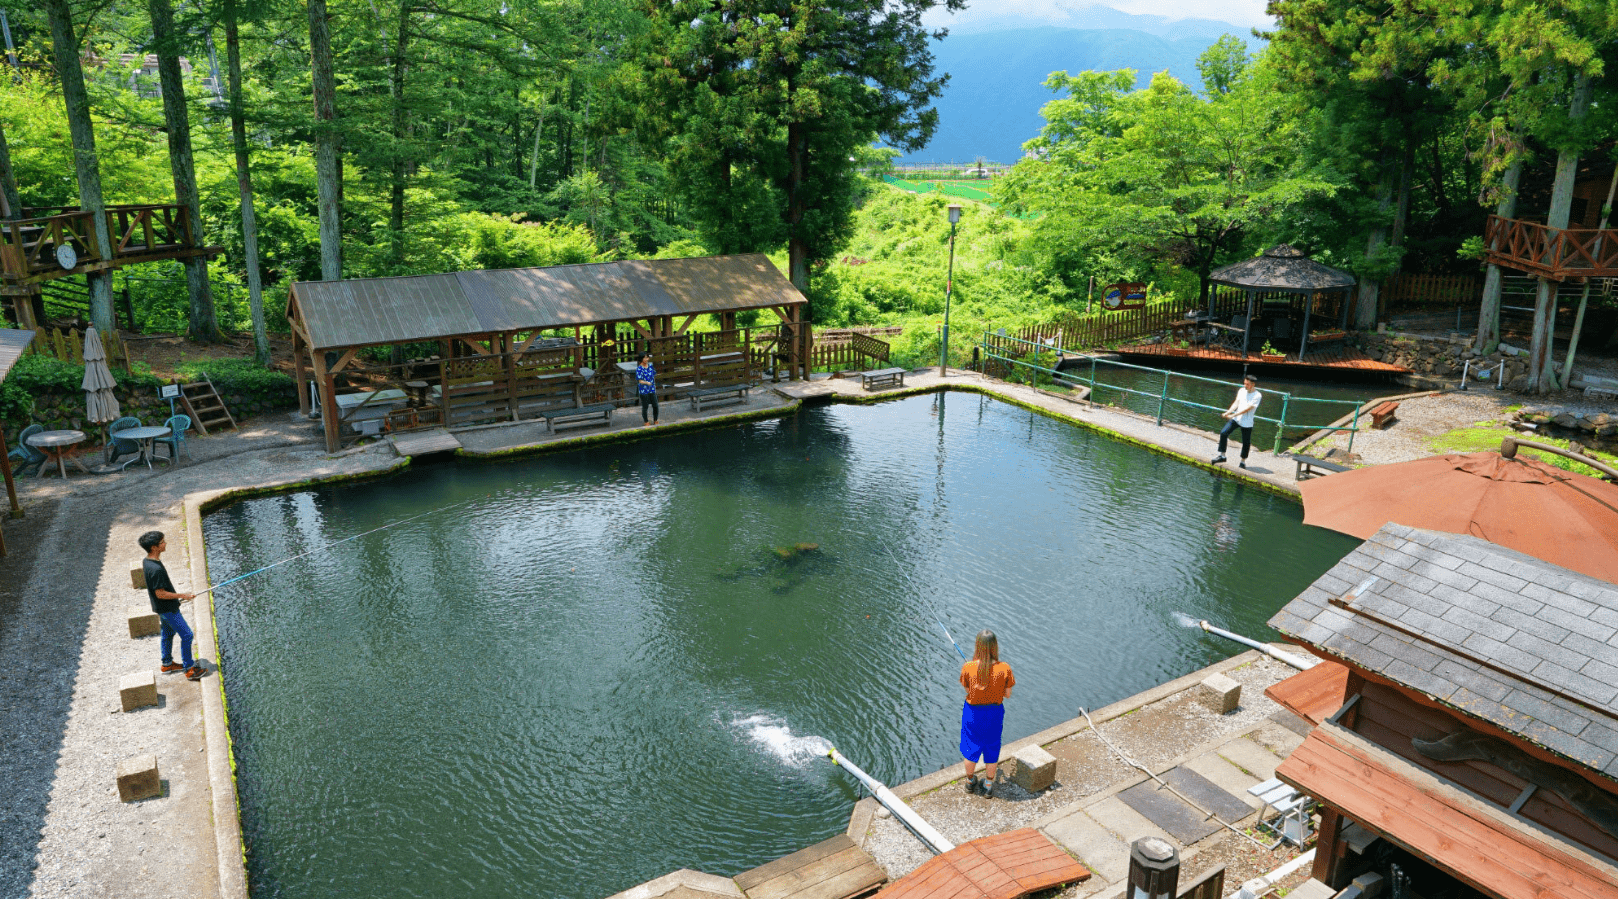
{"x": 1556, "y": 253}
{"x": 68, "y": 345}
{"x": 28, "y": 247}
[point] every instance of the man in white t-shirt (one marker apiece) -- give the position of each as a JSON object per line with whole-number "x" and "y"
{"x": 1240, "y": 415}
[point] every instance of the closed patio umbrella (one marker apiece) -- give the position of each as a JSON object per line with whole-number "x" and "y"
{"x": 1523, "y": 504}
{"x": 101, "y": 406}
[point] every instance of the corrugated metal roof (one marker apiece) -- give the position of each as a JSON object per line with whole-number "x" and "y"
{"x": 428, "y": 307}
{"x": 12, "y": 344}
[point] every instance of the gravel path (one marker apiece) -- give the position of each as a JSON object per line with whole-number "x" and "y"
{"x": 64, "y": 637}
{"x": 1421, "y": 419}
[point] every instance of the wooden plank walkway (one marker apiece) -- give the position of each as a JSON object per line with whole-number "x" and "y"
{"x": 420, "y": 443}
{"x": 1323, "y": 359}
{"x": 834, "y": 869}
{"x": 1004, "y": 866}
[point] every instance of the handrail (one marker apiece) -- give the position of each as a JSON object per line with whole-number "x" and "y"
{"x": 1509, "y": 445}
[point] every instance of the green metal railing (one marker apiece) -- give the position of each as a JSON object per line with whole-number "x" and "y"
{"x": 1163, "y": 395}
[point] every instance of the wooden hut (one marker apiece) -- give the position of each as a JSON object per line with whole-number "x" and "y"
{"x": 1283, "y": 292}
{"x": 480, "y": 346}
{"x": 1467, "y": 720}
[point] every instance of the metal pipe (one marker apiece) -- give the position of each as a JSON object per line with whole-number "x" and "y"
{"x": 1508, "y": 449}
{"x": 1258, "y": 886}
{"x": 1302, "y": 664}
{"x": 906, "y": 815}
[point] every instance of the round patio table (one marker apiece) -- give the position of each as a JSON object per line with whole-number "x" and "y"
{"x": 60, "y": 447}
{"x": 144, "y": 436}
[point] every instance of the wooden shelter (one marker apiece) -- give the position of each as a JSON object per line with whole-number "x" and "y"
{"x": 1467, "y": 719}
{"x": 507, "y": 344}
{"x": 1287, "y": 287}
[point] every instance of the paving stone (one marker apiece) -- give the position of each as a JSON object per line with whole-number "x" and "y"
{"x": 1128, "y": 824}
{"x": 1228, "y": 777}
{"x": 1098, "y": 848}
{"x": 1250, "y": 757}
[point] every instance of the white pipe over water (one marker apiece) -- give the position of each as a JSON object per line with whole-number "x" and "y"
{"x": 894, "y": 804}
{"x": 1302, "y": 664}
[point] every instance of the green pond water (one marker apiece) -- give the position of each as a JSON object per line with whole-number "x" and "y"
{"x": 597, "y": 668}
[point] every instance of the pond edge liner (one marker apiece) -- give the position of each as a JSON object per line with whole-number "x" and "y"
{"x": 230, "y": 844}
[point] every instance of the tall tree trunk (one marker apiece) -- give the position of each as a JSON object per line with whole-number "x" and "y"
{"x": 1489, "y": 312}
{"x": 1541, "y": 367}
{"x": 244, "y": 184}
{"x": 1584, "y": 300}
{"x": 328, "y": 176}
{"x": 10, "y": 199}
{"x": 533, "y": 162}
{"x": 204, "y": 325}
{"x": 1401, "y": 219}
{"x": 797, "y": 248}
{"x": 396, "y": 175}
{"x": 65, "y": 47}
{"x": 1370, "y": 292}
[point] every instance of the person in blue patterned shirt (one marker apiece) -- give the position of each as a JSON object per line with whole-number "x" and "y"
{"x": 646, "y": 380}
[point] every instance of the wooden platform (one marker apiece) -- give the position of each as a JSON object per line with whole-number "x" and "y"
{"x": 1004, "y": 866}
{"x": 834, "y": 869}
{"x": 1324, "y": 359}
{"x": 421, "y": 443}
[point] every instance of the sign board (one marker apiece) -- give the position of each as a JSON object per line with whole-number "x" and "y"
{"x": 171, "y": 391}
{"x": 1124, "y": 295}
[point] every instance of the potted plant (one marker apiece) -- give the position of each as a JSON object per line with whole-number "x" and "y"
{"x": 1177, "y": 347}
{"x": 1270, "y": 354}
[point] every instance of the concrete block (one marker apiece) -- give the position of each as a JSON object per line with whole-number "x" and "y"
{"x": 144, "y": 623}
{"x": 1219, "y": 693}
{"x": 1035, "y": 769}
{"x": 137, "y": 578}
{"x": 138, "y": 690}
{"x": 137, "y": 778}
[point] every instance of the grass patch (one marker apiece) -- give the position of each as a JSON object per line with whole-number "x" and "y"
{"x": 1485, "y": 436}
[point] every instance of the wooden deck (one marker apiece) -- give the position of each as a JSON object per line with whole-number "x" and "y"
{"x": 834, "y": 869}
{"x": 421, "y": 443}
{"x": 1324, "y": 359}
{"x": 1004, "y": 866}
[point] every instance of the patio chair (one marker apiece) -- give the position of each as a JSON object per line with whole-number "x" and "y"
{"x": 118, "y": 447}
{"x": 177, "y": 426}
{"x": 25, "y": 456}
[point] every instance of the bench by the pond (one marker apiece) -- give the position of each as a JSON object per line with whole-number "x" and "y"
{"x": 882, "y": 377}
{"x": 1382, "y": 415}
{"x": 1310, "y": 467}
{"x": 718, "y": 396}
{"x": 578, "y": 417}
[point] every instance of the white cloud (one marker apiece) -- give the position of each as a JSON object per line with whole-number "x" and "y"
{"x": 983, "y": 15}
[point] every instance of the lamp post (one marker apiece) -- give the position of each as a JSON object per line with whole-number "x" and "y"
{"x": 949, "y": 287}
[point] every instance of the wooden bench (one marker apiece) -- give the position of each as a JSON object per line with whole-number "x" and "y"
{"x": 1382, "y": 415}
{"x": 882, "y": 377}
{"x": 1310, "y": 467}
{"x": 719, "y": 396}
{"x": 578, "y": 417}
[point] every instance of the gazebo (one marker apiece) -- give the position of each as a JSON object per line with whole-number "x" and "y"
{"x": 507, "y": 344}
{"x": 1283, "y": 275}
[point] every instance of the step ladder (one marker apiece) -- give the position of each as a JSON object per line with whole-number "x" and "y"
{"x": 207, "y": 410}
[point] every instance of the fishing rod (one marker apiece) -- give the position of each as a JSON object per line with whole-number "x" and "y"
{"x": 327, "y": 546}
{"x": 914, "y": 586}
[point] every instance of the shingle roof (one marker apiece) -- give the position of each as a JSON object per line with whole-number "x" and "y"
{"x": 12, "y": 344}
{"x": 1282, "y": 268}
{"x": 1523, "y": 644}
{"x": 372, "y": 311}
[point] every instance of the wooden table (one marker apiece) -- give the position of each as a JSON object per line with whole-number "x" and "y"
{"x": 145, "y": 436}
{"x": 60, "y": 447}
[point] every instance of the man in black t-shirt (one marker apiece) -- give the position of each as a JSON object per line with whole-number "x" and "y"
{"x": 166, "y": 603}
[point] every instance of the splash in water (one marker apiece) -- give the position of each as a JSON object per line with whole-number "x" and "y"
{"x": 774, "y": 736}
{"x": 1185, "y": 620}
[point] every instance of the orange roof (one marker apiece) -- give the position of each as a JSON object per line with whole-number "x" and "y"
{"x": 1479, "y": 844}
{"x": 1004, "y": 866}
{"x": 1313, "y": 695}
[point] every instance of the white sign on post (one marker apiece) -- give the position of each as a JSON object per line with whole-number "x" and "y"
{"x": 171, "y": 391}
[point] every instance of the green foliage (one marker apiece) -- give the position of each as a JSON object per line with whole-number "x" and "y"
{"x": 238, "y": 376}
{"x": 35, "y": 374}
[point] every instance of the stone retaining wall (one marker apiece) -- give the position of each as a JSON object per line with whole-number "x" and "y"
{"x": 1601, "y": 424}
{"x": 1443, "y": 357}
{"x": 66, "y": 410}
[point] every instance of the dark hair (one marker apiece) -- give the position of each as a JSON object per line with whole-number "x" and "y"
{"x": 150, "y": 540}
{"x": 643, "y": 357}
{"x": 1253, "y": 378}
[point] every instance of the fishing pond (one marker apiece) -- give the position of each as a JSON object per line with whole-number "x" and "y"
{"x": 591, "y": 668}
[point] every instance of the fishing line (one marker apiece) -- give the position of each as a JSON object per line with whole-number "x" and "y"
{"x": 899, "y": 567}
{"x": 327, "y": 546}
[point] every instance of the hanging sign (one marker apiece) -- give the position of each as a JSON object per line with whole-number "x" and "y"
{"x": 1124, "y": 295}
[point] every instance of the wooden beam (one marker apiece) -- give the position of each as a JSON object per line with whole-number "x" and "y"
{"x": 344, "y": 360}
{"x": 328, "y": 402}
{"x": 688, "y": 320}
{"x": 300, "y": 373}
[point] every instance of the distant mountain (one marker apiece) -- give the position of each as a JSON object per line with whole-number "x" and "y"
{"x": 996, "y": 87}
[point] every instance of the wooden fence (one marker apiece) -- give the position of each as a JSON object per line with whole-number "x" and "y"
{"x": 1412, "y": 292}
{"x": 858, "y": 351}
{"x": 1104, "y": 328}
{"x": 67, "y": 345}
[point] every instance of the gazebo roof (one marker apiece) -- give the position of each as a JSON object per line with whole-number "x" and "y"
{"x": 1282, "y": 268}
{"x": 12, "y": 344}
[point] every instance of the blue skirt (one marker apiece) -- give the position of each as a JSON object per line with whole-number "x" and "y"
{"x": 980, "y": 732}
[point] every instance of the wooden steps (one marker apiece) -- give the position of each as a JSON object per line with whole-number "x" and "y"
{"x": 203, "y": 404}
{"x": 1003, "y": 866}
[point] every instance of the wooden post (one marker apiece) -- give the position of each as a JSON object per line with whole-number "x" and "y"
{"x": 1329, "y": 847}
{"x": 443, "y": 386}
{"x": 300, "y": 373}
{"x": 1308, "y": 306}
{"x": 11, "y": 485}
{"x": 328, "y": 401}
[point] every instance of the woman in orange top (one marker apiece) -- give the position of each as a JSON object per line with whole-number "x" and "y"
{"x": 988, "y": 682}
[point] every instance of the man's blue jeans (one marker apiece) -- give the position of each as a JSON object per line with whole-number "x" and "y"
{"x": 174, "y": 623}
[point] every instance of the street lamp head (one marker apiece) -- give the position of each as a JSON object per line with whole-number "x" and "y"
{"x": 954, "y": 213}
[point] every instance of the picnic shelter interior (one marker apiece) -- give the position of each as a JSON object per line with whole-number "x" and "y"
{"x": 1280, "y": 297}
{"x": 466, "y": 348}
